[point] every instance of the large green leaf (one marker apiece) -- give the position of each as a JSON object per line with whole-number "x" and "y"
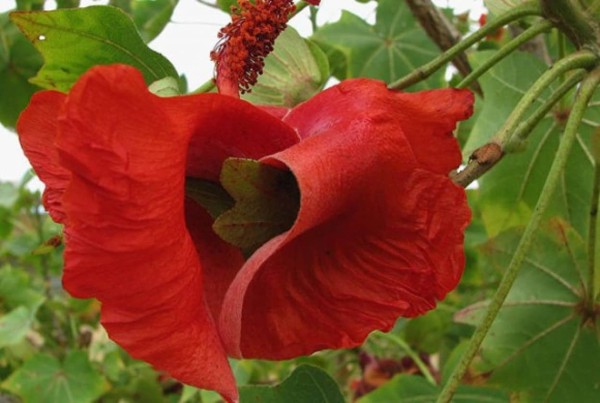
{"x": 19, "y": 61}
{"x": 544, "y": 342}
{"x": 295, "y": 71}
{"x": 43, "y": 379}
{"x": 74, "y": 40}
{"x": 305, "y": 384}
{"x": 393, "y": 47}
{"x": 511, "y": 189}
{"x": 150, "y": 16}
{"x": 416, "y": 389}
{"x": 267, "y": 203}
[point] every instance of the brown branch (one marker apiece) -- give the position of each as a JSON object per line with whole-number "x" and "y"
{"x": 481, "y": 161}
{"x": 441, "y": 31}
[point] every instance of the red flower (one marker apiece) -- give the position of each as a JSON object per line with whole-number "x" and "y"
{"x": 379, "y": 232}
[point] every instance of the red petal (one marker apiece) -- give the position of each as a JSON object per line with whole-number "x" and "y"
{"x": 427, "y": 118}
{"x": 376, "y": 237}
{"x": 126, "y": 237}
{"x": 220, "y": 260}
{"x": 224, "y": 127}
{"x": 37, "y": 128}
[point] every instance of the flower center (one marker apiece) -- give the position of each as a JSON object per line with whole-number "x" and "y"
{"x": 246, "y": 41}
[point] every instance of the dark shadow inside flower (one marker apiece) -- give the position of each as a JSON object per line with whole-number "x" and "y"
{"x": 253, "y": 203}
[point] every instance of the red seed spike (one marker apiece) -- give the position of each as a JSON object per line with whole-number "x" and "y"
{"x": 246, "y": 41}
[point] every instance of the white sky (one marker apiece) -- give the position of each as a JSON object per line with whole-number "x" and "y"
{"x": 187, "y": 43}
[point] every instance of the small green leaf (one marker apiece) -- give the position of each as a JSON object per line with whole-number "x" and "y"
{"x": 267, "y": 203}
{"x": 14, "y": 326}
{"x": 388, "y": 50}
{"x": 497, "y": 7}
{"x": 305, "y": 384}
{"x": 9, "y": 194}
{"x": 295, "y": 71}
{"x": 209, "y": 195}
{"x": 226, "y": 5}
{"x": 150, "y": 16}
{"x": 16, "y": 290}
{"x": 416, "y": 389}
{"x": 165, "y": 87}
{"x": 20, "y": 301}
{"x": 74, "y": 40}
{"x": 43, "y": 379}
{"x": 19, "y": 61}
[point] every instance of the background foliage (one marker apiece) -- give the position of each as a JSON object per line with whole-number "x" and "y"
{"x": 544, "y": 345}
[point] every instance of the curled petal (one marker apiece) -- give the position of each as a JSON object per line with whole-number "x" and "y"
{"x": 37, "y": 130}
{"x": 126, "y": 238}
{"x": 426, "y": 118}
{"x": 377, "y": 236}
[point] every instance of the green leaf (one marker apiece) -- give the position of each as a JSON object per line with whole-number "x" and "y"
{"x": 393, "y": 47}
{"x": 267, "y": 203}
{"x": 16, "y": 290}
{"x": 150, "y": 16}
{"x": 74, "y": 40}
{"x": 43, "y": 379}
{"x": 497, "y": 7}
{"x": 426, "y": 333}
{"x": 20, "y": 301}
{"x": 416, "y": 389}
{"x": 19, "y": 61}
{"x": 9, "y": 194}
{"x": 510, "y": 191}
{"x": 294, "y": 72}
{"x": 225, "y": 5}
{"x": 306, "y": 384}
{"x": 165, "y": 87}
{"x": 209, "y": 195}
{"x": 14, "y": 326}
{"x": 544, "y": 342}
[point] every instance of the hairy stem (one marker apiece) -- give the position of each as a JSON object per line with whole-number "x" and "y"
{"x": 526, "y": 127}
{"x": 526, "y": 36}
{"x": 587, "y": 89}
{"x": 523, "y": 10}
{"x": 485, "y": 157}
{"x": 581, "y": 59}
{"x": 591, "y": 241}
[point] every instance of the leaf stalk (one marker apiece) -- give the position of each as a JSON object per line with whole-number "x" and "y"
{"x": 530, "y": 33}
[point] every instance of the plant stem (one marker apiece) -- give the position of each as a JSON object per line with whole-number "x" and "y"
{"x": 487, "y": 156}
{"x": 313, "y": 19}
{"x": 411, "y": 353}
{"x": 525, "y": 36}
{"x": 591, "y": 289}
{"x": 580, "y": 59}
{"x": 208, "y": 86}
{"x": 440, "y": 30}
{"x": 523, "y": 10}
{"x": 527, "y": 126}
{"x": 587, "y": 89}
